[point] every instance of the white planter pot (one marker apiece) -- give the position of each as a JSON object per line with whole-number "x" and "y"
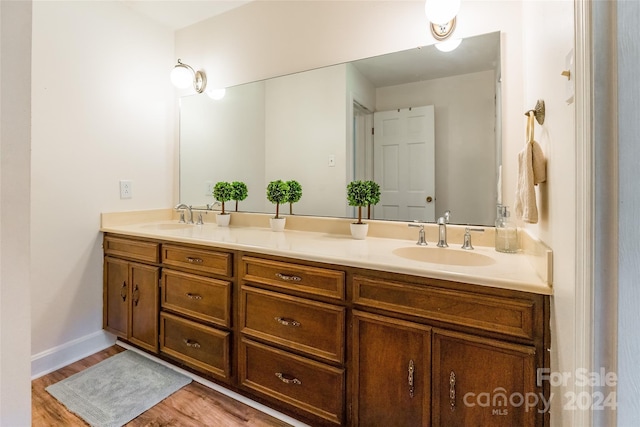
{"x": 277, "y": 224}
{"x": 359, "y": 231}
{"x": 223, "y": 219}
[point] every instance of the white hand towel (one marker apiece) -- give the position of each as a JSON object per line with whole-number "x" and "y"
{"x": 532, "y": 170}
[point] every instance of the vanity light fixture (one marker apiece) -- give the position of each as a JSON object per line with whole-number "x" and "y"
{"x": 182, "y": 76}
{"x": 442, "y": 17}
{"x": 448, "y": 45}
{"x": 216, "y": 94}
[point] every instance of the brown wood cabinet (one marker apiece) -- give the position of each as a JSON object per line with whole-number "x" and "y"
{"x": 329, "y": 344}
{"x": 481, "y": 382}
{"x": 391, "y": 371}
{"x": 131, "y": 294}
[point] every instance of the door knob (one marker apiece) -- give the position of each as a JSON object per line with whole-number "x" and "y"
{"x": 429, "y": 199}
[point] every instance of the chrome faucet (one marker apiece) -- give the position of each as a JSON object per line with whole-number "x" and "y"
{"x": 467, "y": 237}
{"x": 182, "y": 207}
{"x": 421, "y": 240}
{"x": 442, "y": 230}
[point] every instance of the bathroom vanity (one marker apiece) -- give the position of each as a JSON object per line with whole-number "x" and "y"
{"x": 330, "y": 330}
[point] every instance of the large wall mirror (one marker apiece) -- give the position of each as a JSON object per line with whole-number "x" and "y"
{"x": 424, "y": 124}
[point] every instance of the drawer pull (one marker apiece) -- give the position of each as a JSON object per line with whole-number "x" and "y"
{"x": 193, "y": 296}
{"x": 452, "y": 390}
{"x": 288, "y": 277}
{"x": 287, "y": 322}
{"x": 123, "y": 291}
{"x": 136, "y": 295}
{"x": 288, "y": 379}
{"x": 193, "y": 260}
{"x": 412, "y": 370}
{"x": 193, "y": 344}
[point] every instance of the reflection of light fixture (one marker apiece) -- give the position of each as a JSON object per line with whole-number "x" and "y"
{"x": 448, "y": 45}
{"x": 442, "y": 17}
{"x": 216, "y": 94}
{"x": 182, "y": 76}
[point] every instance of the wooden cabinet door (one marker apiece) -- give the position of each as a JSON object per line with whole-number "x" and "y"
{"x": 143, "y": 324}
{"x": 482, "y": 382}
{"x": 116, "y": 296}
{"x": 391, "y": 372}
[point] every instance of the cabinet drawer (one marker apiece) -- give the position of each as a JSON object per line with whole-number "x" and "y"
{"x": 198, "y": 346}
{"x": 200, "y": 297}
{"x": 507, "y": 316}
{"x": 313, "y": 387}
{"x": 302, "y": 278}
{"x": 132, "y": 249}
{"x": 312, "y": 327}
{"x": 198, "y": 259}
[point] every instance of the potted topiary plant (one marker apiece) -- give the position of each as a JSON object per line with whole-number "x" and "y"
{"x": 222, "y": 192}
{"x": 374, "y": 196}
{"x": 239, "y": 193}
{"x": 277, "y": 192}
{"x": 294, "y": 194}
{"x": 358, "y": 194}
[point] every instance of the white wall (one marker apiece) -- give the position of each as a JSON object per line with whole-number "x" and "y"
{"x": 548, "y": 39}
{"x": 103, "y": 109}
{"x": 15, "y": 129}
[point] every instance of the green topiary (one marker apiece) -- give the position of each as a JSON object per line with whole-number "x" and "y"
{"x": 295, "y": 193}
{"x": 277, "y": 192}
{"x": 374, "y": 196}
{"x": 358, "y": 195}
{"x": 222, "y": 192}
{"x": 239, "y": 193}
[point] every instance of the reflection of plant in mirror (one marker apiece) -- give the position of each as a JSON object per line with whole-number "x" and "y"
{"x": 239, "y": 193}
{"x": 222, "y": 192}
{"x": 295, "y": 193}
{"x": 277, "y": 192}
{"x": 358, "y": 195}
{"x": 374, "y": 196}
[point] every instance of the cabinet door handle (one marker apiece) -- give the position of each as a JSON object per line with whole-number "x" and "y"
{"x": 287, "y": 322}
{"x": 136, "y": 295}
{"x": 288, "y": 379}
{"x": 194, "y": 260}
{"x": 452, "y": 390}
{"x": 193, "y": 344}
{"x": 412, "y": 369}
{"x": 193, "y": 296}
{"x": 123, "y": 291}
{"x": 288, "y": 277}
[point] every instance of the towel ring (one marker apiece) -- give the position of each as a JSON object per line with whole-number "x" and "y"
{"x": 538, "y": 113}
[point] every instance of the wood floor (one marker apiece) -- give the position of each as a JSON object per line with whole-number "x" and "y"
{"x": 192, "y": 406}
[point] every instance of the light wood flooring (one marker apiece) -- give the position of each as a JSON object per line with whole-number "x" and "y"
{"x": 192, "y": 406}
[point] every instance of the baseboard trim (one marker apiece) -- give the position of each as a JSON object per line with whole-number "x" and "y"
{"x": 72, "y": 351}
{"x": 240, "y": 398}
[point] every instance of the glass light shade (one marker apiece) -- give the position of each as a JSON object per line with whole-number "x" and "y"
{"x": 448, "y": 45}
{"x": 441, "y": 11}
{"x": 181, "y": 77}
{"x": 217, "y": 94}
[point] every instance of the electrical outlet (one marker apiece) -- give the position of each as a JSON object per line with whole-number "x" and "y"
{"x": 332, "y": 160}
{"x": 126, "y": 189}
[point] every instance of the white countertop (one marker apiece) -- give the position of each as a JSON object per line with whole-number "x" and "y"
{"x": 510, "y": 271}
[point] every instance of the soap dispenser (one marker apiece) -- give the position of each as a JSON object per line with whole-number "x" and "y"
{"x": 506, "y": 232}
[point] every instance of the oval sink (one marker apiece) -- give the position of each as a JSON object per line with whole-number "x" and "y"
{"x": 168, "y": 226}
{"x": 444, "y": 256}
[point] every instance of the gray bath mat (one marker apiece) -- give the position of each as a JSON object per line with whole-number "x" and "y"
{"x": 118, "y": 389}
